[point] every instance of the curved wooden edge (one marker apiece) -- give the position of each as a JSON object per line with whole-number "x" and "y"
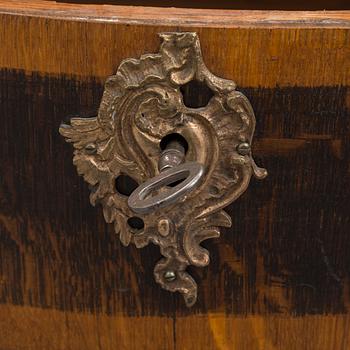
{"x": 57, "y": 330}
{"x": 173, "y": 16}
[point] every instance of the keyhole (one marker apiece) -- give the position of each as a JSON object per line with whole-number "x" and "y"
{"x": 171, "y": 140}
{"x": 174, "y": 137}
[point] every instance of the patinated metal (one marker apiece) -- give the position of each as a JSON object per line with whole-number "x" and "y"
{"x": 142, "y": 103}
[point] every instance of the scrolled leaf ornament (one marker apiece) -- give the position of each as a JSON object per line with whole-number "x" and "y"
{"x": 142, "y": 104}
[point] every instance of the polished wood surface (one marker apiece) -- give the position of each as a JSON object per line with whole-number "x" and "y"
{"x": 254, "y": 48}
{"x": 174, "y": 15}
{"x": 278, "y": 279}
{"x": 228, "y": 4}
{"x": 38, "y": 328}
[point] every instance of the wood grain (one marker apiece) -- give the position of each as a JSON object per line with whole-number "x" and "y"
{"x": 33, "y": 328}
{"x": 57, "y": 253}
{"x": 274, "y": 54}
{"x": 227, "y": 4}
{"x": 279, "y": 278}
{"x": 174, "y": 15}
{"x": 57, "y": 330}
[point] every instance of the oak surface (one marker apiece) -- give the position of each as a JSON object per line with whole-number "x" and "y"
{"x": 146, "y": 15}
{"x": 278, "y": 279}
{"x": 227, "y": 4}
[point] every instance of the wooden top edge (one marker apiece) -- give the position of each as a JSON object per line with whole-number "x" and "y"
{"x": 139, "y": 15}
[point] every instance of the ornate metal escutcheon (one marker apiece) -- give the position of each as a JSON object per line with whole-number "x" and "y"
{"x": 188, "y": 163}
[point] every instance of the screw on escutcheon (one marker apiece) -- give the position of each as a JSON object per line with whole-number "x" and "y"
{"x": 169, "y": 276}
{"x": 243, "y": 148}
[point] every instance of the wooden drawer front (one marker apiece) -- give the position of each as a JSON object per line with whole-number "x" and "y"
{"x": 278, "y": 279}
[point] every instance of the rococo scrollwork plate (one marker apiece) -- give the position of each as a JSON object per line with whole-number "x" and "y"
{"x": 142, "y": 105}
